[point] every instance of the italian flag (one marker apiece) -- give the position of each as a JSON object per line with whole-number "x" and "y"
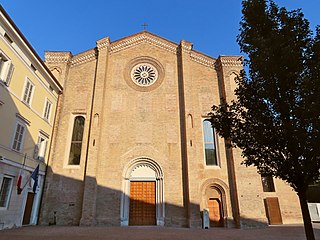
{"x": 19, "y": 182}
{"x": 19, "y": 189}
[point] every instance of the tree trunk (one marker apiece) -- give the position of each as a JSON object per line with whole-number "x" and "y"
{"x": 306, "y": 215}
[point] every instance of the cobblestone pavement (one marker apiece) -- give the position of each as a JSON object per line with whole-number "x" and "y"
{"x": 283, "y": 232}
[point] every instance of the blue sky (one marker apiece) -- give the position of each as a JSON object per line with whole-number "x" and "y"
{"x": 75, "y": 25}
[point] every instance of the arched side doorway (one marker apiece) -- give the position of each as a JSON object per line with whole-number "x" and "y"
{"x": 142, "y": 201}
{"x": 214, "y": 199}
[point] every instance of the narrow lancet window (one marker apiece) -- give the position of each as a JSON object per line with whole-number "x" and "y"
{"x": 209, "y": 144}
{"x": 76, "y": 141}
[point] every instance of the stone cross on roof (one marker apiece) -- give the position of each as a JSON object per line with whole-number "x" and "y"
{"x": 144, "y": 25}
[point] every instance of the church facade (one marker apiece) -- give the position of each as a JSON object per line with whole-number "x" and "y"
{"x": 132, "y": 144}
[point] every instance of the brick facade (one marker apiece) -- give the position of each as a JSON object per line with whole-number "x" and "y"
{"x": 153, "y": 133}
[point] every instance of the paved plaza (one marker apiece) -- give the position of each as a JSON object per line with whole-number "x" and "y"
{"x": 283, "y": 232}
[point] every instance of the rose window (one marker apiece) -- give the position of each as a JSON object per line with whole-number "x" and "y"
{"x": 144, "y": 74}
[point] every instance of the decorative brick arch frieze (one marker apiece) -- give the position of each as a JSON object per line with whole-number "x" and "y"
{"x": 57, "y": 57}
{"x": 84, "y": 57}
{"x": 142, "y": 37}
{"x": 230, "y": 61}
{"x": 142, "y": 169}
{"x": 202, "y": 59}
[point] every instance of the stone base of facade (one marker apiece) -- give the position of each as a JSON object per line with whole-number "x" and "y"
{"x": 246, "y": 223}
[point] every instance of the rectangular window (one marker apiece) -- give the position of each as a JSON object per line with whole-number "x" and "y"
{"x": 28, "y": 90}
{"x": 8, "y": 38}
{"x": 6, "y": 69}
{"x": 47, "y": 110}
{"x": 18, "y": 137}
{"x": 5, "y": 191}
{"x": 209, "y": 144}
{"x": 267, "y": 183}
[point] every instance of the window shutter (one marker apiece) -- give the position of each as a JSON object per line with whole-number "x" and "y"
{"x": 36, "y": 151}
{"x": 42, "y": 150}
{"x": 9, "y": 75}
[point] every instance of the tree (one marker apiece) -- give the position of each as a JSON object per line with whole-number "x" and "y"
{"x": 275, "y": 117}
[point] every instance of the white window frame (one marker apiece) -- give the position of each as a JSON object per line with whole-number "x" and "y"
{"x": 46, "y": 111}
{"x": 27, "y": 94}
{"x": 7, "y": 200}
{"x": 6, "y": 68}
{"x": 216, "y": 144}
{"x": 22, "y": 138}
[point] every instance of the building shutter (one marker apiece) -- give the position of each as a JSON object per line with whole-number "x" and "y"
{"x": 36, "y": 151}
{"x": 42, "y": 150}
{"x": 273, "y": 210}
{"x": 9, "y": 74}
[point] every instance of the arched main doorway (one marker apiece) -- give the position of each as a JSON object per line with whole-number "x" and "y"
{"x": 142, "y": 199}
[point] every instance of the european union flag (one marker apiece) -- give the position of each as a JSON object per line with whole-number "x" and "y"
{"x": 34, "y": 176}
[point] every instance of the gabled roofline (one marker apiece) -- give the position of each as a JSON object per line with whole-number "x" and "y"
{"x": 31, "y": 49}
{"x": 140, "y": 37}
{"x": 153, "y": 39}
{"x": 141, "y": 32}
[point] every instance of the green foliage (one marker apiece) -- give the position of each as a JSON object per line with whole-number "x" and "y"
{"x": 275, "y": 118}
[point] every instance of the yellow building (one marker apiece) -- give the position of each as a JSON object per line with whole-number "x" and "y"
{"x": 28, "y": 99}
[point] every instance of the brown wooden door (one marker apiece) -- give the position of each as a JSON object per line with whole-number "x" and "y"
{"x": 28, "y": 209}
{"x": 273, "y": 210}
{"x": 142, "y": 203}
{"x": 215, "y": 215}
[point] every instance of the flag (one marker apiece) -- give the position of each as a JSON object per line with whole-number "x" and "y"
{"x": 19, "y": 189}
{"x": 34, "y": 176}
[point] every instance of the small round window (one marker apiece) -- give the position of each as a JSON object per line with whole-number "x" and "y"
{"x": 144, "y": 74}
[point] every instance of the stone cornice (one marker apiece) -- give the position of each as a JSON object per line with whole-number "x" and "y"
{"x": 84, "y": 57}
{"x": 22, "y": 118}
{"x": 143, "y": 37}
{"x": 202, "y": 59}
{"x": 230, "y": 61}
{"x": 186, "y": 46}
{"x": 146, "y": 37}
{"x": 57, "y": 57}
{"x": 67, "y": 58}
{"x": 103, "y": 43}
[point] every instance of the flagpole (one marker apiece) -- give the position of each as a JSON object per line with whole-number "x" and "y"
{"x": 26, "y": 183}
{"x": 34, "y": 176}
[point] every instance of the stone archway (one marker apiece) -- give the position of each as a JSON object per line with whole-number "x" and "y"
{"x": 215, "y": 206}
{"x": 140, "y": 175}
{"x": 214, "y": 199}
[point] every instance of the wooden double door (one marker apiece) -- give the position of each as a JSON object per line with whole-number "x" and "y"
{"x": 273, "y": 210}
{"x": 28, "y": 209}
{"x": 142, "y": 203}
{"x": 215, "y": 212}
